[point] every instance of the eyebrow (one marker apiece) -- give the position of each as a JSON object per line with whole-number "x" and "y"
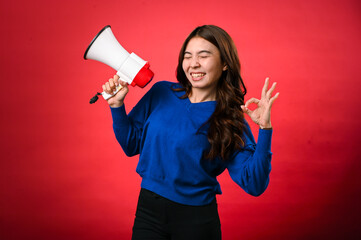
{"x": 200, "y": 52}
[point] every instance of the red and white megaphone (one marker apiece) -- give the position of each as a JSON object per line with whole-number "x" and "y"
{"x": 130, "y": 68}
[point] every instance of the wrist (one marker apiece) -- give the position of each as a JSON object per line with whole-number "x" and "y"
{"x": 266, "y": 127}
{"x": 116, "y": 105}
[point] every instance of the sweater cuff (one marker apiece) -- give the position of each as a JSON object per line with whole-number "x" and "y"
{"x": 264, "y": 140}
{"x": 119, "y": 115}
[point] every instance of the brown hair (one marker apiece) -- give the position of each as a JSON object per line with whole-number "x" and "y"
{"x": 226, "y": 125}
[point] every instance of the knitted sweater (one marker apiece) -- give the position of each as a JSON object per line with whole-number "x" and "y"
{"x": 169, "y": 134}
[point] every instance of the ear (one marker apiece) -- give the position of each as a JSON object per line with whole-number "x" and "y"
{"x": 225, "y": 67}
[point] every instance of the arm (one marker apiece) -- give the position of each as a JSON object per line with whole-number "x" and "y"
{"x": 126, "y": 132}
{"x": 127, "y": 128}
{"x": 250, "y": 167}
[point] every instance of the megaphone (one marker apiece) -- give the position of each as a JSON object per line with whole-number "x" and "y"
{"x": 130, "y": 68}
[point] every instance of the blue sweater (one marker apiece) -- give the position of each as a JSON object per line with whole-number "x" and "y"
{"x": 165, "y": 130}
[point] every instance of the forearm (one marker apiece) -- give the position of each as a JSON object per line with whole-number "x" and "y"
{"x": 125, "y": 132}
{"x": 250, "y": 168}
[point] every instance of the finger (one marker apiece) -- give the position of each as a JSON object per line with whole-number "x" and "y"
{"x": 111, "y": 83}
{"x": 121, "y": 82}
{"x": 106, "y": 87}
{"x": 265, "y": 87}
{"x": 116, "y": 80}
{"x": 109, "y": 87}
{"x": 246, "y": 110}
{"x": 274, "y": 98}
{"x": 269, "y": 92}
{"x": 252, "y": 100}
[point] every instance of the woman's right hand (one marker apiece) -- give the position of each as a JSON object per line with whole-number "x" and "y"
{"x": 109, "y": 87}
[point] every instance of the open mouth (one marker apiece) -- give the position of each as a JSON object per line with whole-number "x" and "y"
{"x": 197, "y": 75}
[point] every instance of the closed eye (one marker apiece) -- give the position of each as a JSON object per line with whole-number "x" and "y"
{"x": 203, "y": 56}
{"x": 187, "y": 55}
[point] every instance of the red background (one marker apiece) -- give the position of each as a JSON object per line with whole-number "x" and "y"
{"x": 64, "y": 176}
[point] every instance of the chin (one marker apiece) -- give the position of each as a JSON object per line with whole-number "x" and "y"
{"x": 197, "y": 84}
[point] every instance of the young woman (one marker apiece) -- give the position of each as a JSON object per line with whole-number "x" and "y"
{"x": 187, "y": 133}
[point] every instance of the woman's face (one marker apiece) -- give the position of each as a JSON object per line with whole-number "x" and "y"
{"x": 202, "y": 64}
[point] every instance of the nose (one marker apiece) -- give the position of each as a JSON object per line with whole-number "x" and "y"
{"x": 194, "y": 62}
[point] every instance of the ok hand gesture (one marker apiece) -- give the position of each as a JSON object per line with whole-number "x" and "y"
{"x": 262, "y": 114}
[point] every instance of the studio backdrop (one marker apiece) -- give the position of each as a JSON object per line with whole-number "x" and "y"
{"x": 63, "y": 174}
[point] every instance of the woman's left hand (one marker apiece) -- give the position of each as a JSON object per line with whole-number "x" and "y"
{"x": 262, "y": 114}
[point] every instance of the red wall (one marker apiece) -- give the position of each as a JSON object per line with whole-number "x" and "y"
{"x": 63, "y": 175}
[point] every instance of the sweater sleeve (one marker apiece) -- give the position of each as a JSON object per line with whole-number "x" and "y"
{"x": 128, "y": 129}
{"x": 251, "y": 166}
{"x": 127, "y": 134}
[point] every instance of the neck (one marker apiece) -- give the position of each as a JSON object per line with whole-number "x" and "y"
{"x": 197, "y": 96}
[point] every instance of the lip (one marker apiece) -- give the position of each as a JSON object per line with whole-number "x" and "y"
{"x": 197, "y": 78}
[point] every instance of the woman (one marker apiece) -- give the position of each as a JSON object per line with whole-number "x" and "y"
{"x": 188, "y": 133}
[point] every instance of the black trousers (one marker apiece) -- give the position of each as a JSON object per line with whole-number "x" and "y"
{"x": 159, "y": 218}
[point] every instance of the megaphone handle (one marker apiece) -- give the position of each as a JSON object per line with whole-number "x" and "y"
{"x": 106, "y": 96}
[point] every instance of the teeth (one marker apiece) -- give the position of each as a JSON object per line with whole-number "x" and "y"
{"x": 198, "y": 74}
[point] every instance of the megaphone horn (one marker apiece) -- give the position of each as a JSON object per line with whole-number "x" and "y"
{"x": 130, "y": 68}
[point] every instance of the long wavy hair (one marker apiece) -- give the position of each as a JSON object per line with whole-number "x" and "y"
{"x": 226, "y": 124}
